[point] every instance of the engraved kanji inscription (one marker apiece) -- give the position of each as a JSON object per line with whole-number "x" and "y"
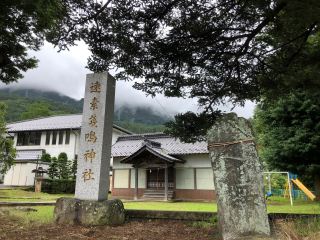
{"x": 89, "y": 155}
{"x": 95, "y": 87}
{"x": 93, "y": 121}
{"x": 94, "y": 103}
{"x": 87, "y": 175}
{"x": 91, "y": 137}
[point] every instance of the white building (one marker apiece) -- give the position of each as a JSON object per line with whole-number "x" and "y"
{"x": 53, "y": 135}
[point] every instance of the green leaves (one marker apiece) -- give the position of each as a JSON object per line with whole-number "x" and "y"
{"x": 289, "y": 129}
{"x": 190, "y": 127}
{"x": 37, "y": 110}
{"x": 7, "y": 152}
{"x": 23, "y": 26}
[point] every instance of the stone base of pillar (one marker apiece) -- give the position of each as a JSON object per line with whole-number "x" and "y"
{"x": 90, "y": 213}
{"x": 38, "y": 184}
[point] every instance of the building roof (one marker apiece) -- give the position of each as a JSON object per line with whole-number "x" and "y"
{"x": 127, "y": 145}
{"x": 56, "y": 122}
{"x": 33, "y": 154}
{"x": 155, "y": 149}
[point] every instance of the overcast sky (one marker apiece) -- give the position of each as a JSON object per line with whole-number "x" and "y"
{"x": 65, "y": 73}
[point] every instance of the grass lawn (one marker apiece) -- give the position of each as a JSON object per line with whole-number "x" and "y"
{"x": 274, "y": 205}
{"x": 174, "y": 206}
{"x": 44, "y": 215}
{"x": 26, "y": 200}
{"x": 21, "y": 193}
{"x": 299, "y": 206}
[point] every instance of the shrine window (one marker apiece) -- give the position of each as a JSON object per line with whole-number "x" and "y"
{"x": 61, "y": 137}
{"x": 67, "y": 137}
{"x": 54, "y": 137}
{"x": 29, "y": 138}
{"x": 48, "y": 137}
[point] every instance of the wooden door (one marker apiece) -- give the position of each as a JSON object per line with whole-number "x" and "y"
{"x": 156, "y": 178}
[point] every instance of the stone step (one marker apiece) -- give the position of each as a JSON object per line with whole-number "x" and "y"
{"x": 158, "y": 191}
{"x": 157, "y": 196}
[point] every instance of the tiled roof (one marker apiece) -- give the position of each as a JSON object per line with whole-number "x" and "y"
{"x": 29, "y": 154}
{"x": 126, "y": 145}
{"x": 158, "y": 151}
{"x": 52, "y": 123}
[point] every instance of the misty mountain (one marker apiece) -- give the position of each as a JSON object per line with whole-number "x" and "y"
{"x": 55, "y": 96}
{"x": 19, "y": 100}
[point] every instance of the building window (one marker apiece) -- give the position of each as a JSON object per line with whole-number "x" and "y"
{"x": 67, "y": 137}
{"x": 54, "y": 137}
{"x": 61, "y": 137}
{"x": 48, "y": 137}
{"x": 29, "y": 138}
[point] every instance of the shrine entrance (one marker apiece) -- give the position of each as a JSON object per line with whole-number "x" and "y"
{"x": 156, "y": 178}
{"x": 159, "y": 166}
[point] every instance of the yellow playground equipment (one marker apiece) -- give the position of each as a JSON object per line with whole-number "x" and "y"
{"x": 294, "y": 179}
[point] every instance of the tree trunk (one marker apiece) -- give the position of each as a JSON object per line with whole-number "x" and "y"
{"x": 316, "y": 184}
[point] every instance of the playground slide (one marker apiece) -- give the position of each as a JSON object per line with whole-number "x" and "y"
{"x": 303, "y": 188}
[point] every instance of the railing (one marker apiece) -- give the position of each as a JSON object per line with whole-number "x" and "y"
{"x": 159, "y": 184}
{"x": 298, "y": 193}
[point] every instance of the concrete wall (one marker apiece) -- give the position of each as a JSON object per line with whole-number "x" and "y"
{"x": 185, "y": 178}
{"x": 21, "y": 174}
{"x": 56, "y": 149}
{"x": 204, "y": 179}
{"x": 118, "y": 165}
{"x": 194, "y": 161}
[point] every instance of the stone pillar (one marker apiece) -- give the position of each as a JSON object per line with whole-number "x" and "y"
{"x": 91, "y": 205}
{"x": 136, "y": 184}
{"x": 38, "y": 184}
{"x": 166, "y": 184}
{"x": 238, "y": 179}
{"x": 96, "y": 137}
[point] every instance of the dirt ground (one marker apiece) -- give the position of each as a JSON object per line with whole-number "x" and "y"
{"x": 132, "y": 229}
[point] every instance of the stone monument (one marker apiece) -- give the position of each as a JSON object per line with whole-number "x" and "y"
{"x": 238, "y": 179}
{"x": 91, "y": 205}
{"x": 38, "y": 177}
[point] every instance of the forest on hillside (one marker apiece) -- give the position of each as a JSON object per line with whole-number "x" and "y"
{"x": 137, "y": 120}
{"x": 57, "y": 97}
{"x": 144, "y": 115}
{"x": 16, "y": 105}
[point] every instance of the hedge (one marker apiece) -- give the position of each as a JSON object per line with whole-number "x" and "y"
{"x": 54, "y": 186}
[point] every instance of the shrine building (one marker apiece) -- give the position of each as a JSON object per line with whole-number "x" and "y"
{"x": 158, "y": 166}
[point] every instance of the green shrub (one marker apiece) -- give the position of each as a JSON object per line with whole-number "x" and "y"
{"x": 54, "y": 186}
{"x": 46, "y": 157}
{"x": 214, "y": 220}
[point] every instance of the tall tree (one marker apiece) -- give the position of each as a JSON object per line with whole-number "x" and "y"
{"x": 63, "y": 165}
{"x": 215, "y": 51}
{"x": 73, "y": 169}
{"x": 46, "y": 157}
{"x": 7, "y": 152}
{"x": 53, "y": 170}
{"x": 37, "y": 110}
{"x": 23, "y": 26}
{"x": 290, "y": 132}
